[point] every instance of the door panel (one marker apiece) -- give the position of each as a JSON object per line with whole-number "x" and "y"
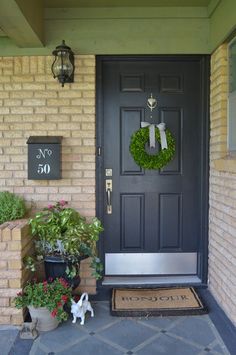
{"x": 154, "y": 212}
{"x": 130, "y": 121}
{"x": 170, "y": 221}
{"x": 132, "y": 219}
{"x": 174, "y": 117}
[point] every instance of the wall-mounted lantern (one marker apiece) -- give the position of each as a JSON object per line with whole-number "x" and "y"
{"x": 63, "y": 65}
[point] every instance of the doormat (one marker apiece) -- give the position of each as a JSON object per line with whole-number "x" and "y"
{"x": 156, "y": 302}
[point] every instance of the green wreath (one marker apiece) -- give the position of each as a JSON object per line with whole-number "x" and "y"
{"x": 145, "y": 160}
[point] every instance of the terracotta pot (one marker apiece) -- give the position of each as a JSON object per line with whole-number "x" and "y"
{"x": 42, "y": 316}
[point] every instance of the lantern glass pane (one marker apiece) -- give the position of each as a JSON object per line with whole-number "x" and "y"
{"x": 63, "y": 64}
{"x": 57, "y": 67}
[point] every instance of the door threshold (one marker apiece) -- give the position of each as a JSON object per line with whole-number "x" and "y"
{"x": 151, "y": 280}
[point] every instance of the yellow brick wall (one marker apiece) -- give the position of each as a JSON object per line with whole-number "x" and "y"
{"x": 222, "y": 214}
{"x": 32, "y": 103}
{"x": 15, "y": 243}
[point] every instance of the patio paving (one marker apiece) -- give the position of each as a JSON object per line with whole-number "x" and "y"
{"x": 8, "y": 336}
{"x": 107, "y": 335}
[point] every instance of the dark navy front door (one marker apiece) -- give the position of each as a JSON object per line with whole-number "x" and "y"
{"x": 156, "y": 222}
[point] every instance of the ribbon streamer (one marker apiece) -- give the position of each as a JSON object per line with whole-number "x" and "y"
{"x": 152, "y": 139}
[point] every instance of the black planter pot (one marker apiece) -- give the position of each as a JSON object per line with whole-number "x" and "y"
{"x": 55, "y": 267}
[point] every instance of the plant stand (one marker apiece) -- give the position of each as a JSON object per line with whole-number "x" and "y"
{"x": 28, "y": 330}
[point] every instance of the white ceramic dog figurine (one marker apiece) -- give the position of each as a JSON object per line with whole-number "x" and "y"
{"x": 80, "y": 308}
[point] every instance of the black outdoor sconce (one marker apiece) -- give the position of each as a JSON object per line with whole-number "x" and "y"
{"x": 63, "y": 65}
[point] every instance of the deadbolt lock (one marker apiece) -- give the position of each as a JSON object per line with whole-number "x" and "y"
{"x": 108, "y": 172}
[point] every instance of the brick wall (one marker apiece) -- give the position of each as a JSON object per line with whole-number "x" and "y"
{"x": 33, "y": 103}
{"x": 222, "y": 218}
{"x": 15, "y": 243}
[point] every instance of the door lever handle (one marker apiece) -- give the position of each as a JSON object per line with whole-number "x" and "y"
{"x": 108, "y": 191}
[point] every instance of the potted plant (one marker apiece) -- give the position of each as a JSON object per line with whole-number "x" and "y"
{"x": 63, "y": 238}
{"x": 46, "y": 301}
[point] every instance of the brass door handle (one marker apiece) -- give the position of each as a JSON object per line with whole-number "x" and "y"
{"x": 108, "y": 191}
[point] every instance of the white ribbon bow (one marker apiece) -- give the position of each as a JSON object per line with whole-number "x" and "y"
{"x": 152, "y": 139}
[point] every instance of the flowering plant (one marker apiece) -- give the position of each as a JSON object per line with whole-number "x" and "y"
{"x": 62, "y": 231}
{"x": 52, "y": 294}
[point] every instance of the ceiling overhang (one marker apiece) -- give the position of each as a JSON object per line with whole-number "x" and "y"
{"x": 22, "y": 21}
{"x": 115, "y": 26}
{"x": 124, "y": 3}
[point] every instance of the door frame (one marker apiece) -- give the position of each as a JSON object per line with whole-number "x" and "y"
{"x": 204, "y": 60}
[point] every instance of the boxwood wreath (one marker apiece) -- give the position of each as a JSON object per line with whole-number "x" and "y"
{"x": 148, "y": 161}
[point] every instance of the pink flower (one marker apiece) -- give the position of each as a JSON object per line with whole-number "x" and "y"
{"x": 20, "y": 294}
{"x": 62, "y": 203}
{"x": 54, "y": 313}
{"x": 50, "y": 207}
{"x": 63, "y": 282}
{"x": 45, "y": 286}
{"x": 64, "y": 298}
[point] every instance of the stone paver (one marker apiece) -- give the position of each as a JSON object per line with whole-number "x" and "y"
{"x": 166, "y": 344}
{"x": 196, "y": 329}
{"x": 7, "y": 337}
{"x": 90, "y": 346}
{"x": 107, "y": 335}
{"x": 128, "y": 333}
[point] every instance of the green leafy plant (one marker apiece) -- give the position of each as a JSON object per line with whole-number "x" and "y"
{"x": 29, "y": 263}
{"x": 11, "y": 207}
{"x": 148, "y": 161}
{"x": 53, "y": 295}
{"x": 62, "y": 231}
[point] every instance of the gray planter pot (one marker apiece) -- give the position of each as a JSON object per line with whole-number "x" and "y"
{"x": 42, "y": 316}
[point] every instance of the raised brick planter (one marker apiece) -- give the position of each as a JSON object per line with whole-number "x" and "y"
{"x": 15, "y": 243}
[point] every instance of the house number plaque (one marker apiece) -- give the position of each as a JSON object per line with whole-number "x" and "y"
{"x": 44, "y": 158}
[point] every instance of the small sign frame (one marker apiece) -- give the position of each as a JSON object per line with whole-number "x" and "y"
{"x": 44, "y": 157}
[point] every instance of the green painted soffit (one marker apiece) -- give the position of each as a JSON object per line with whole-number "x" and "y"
{"x": 22, "y": 21}
{"x": 33, "y": 11}
{"x": 134, "y": 30}
{"x": 223, "y": 23}
{"x": 122, "y": 31}
{"x": 123, "y": 3}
